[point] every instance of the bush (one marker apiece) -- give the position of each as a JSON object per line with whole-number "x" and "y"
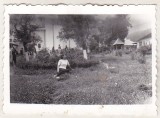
{"x": 34, "y": 64}
{"x": 126, "y": 51}
{"x": 44, "y": 60}
{"x": 118, "y": 53}
{"x": 43, "y": 55}
{"x": 83, "y": 63}
{"x": 144, "y": 50}
{"x": 75, "y": 57}
{"x": 133, "y": 56}
{"x": 141, "y": 59}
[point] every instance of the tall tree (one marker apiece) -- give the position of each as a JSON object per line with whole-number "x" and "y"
{"x": 78, "y": 28}
{"x": 23, "y": 28}
{"x": 114, "y": 27}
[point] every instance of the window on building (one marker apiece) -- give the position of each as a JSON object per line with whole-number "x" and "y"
{"x": 39, "y": 45}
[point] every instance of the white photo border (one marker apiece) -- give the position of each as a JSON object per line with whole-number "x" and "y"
{"x": 13, "y": 108}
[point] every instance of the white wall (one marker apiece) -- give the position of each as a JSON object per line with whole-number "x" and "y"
{"x": 41, "y": 33}
{"x": 49, "y": 33}
{"x": 49, "y": 36}
{"x": 57, "y": 41}
{"x": 144, "y": 42}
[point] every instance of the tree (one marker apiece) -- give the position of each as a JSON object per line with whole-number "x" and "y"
{"x": 114, "y": 27}
{"x": 24, "y": 29}
{"x": 78, "y": 28}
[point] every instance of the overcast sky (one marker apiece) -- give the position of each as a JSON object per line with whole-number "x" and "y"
{"x": 140, "y": 22}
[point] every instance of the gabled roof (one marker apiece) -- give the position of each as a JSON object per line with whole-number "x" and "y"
{"x": 145, "y": 37}
{"x": 118, "y": 42}
{"x": 139, "y": 34}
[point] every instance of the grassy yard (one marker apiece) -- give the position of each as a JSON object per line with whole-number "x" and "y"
{"x": 127, "y": 83}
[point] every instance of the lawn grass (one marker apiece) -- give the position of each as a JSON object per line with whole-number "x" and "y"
{"x": 124, "y": 84}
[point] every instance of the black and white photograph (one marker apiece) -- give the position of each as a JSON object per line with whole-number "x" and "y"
{"x": 80, "y": 58}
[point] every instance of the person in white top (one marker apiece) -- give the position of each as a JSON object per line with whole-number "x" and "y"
{"x": 63, "y": 66}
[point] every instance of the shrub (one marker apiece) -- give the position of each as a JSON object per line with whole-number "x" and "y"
{"x": 118, "y": 53}
{"x": 76, "y": 59}
{"x": 44, "y": 60}
{"x": 133, "y": 56}
{"x": 83, "y": 63}
{"x": 141, "y": 59}
{"x": 34, "y": 64}
{"x": 43, "y": 55}
{"x": 144, "y": 50}
{"x": 127, "y": 51}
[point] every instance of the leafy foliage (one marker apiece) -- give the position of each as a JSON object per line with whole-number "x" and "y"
{"x": 144, "y": 50}
{"x": 90, "y": 31}
{"x": 114, "y": 27}
{"x": 76, "y": 27}
{"x": 23, "y": 27}
{"x": 118, "y": 53}
{"x": 45, "y": 60}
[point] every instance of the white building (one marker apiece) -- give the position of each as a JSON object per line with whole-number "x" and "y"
{"x": 145, "y": 41}
{"x": 48, "y": 32}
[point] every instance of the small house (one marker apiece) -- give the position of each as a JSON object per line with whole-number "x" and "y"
{"x": 118, "y": 44}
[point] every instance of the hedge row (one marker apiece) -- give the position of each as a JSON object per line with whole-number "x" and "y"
{"x": 45, "y": 60}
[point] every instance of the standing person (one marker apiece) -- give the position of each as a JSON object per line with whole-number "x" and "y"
{"x": 66, "y": 48}
{"x": 21, "y": 51}
{"x": 59, "y": 51}
{"x": 53, "y": 49}
{"x": 62, "y": 67}
{"x": 14, "y": 55}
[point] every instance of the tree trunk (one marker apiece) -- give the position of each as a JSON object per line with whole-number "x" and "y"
{"x": 26, "y": 56}
{"x": 26, "y": 52}
{"x": 88, "y": 50}
{"x": 85, "y": 54}
{"x": 84, "y": 46}
{"x": 34, "y": 55}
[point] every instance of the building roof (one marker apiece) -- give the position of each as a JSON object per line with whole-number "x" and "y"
{"x": 139, "y": 34}
{"x": 129, "y": 42}
{"x": 145, "y": 37}
{"x": 118, "y": 42}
